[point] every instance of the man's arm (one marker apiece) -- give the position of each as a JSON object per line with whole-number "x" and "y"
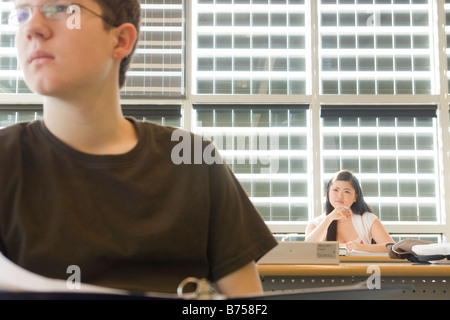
{"x": 241, "y": 282}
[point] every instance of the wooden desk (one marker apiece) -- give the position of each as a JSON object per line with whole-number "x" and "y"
{"x": 424, "y": 281}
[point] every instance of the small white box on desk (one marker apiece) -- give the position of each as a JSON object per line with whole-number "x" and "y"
{"x": 299, "y": 252}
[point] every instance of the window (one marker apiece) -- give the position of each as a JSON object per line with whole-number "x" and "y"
{"x": 167, "y": 115}
{"x": 158, "y": 66}
{"x": 393, "y": 152}
{"x": 447, "y": 33}
{"x": 255, "y": 48}
{"x": 11, "y": 79}
{"x": 10, "y": 114}
{"x": 267, "y": 148}
{"x": 377, "y": 47}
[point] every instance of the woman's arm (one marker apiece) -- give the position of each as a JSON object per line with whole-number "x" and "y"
{"x": 318, "y": 233}
{"x": 379, "y": 234}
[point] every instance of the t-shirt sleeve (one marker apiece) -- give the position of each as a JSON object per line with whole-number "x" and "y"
{"x": 369, "y": 219}
{"x": 363, "y": 226}
{"x": 238, "y": 234}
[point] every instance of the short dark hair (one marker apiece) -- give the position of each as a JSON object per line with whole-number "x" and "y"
{"x": 118, "y": 12}
{"x": 359, "y": 207}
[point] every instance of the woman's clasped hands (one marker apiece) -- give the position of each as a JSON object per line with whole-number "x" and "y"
{"x": 341, "y": 213}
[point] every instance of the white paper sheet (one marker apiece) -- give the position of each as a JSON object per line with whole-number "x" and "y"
{"x": 16, "y": 279}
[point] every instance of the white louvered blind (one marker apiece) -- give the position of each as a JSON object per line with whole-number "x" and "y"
{"x": 250, "y": 47}
{"x": 377, "y": 47}
{"x": 11, "y": 78}
{"x": 267, "y": 148}
{"x": 393, "y": 152}
{"x": 158, "y": 67}
{"x": 447, "y": 32}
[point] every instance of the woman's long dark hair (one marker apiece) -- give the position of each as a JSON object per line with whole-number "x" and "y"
{"x": 359, "y": 207}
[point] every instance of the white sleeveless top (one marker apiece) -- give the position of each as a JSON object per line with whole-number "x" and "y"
{"x": 362, "y": 223}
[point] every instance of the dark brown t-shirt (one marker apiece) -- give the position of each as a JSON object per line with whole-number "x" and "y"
{"x": 135, "y": 221}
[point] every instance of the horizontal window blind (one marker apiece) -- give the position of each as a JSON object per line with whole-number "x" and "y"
{"x": 11, "y": 78}
{"x": 158, "y": 66}
{"x": 382, "y": 111}
{"x": 267, "y": 149}
{"x": 377, "y": 47}
{"x": 250, "y": 47}
{"x": 11, "y": 114}
{"x": 394, "y": 155}
{"x": 167, "y": 115}
{"x": 447, "y": 33}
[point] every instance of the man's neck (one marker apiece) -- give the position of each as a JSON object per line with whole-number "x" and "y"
{"x": 94, "y": 126}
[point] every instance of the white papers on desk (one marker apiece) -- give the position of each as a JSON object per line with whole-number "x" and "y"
{"x": 16, "y": 279}
{"x": 367, "y": 254}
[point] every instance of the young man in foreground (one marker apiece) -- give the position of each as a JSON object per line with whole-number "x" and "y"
{"x": 88, "y": 187}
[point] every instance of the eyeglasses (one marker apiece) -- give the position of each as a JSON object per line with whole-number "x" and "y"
{"x": 56, "y": 11}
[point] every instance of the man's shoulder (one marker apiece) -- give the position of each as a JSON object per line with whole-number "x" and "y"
{"x": 13, "y": 131}
{"x": 183, "y": 146}
{"x": 15, "y": 127}
{"x": 155, "y": 128}
{"x": 167, "y": 135}
{"x": 12, "y": 136}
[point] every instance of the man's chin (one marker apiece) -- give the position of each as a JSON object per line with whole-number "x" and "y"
{"x": 45, "y": 89}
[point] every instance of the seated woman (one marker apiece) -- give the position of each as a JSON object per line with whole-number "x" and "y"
{"x": 348, "y": 219}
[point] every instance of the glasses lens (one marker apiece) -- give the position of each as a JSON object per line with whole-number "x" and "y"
{"x": 18, "y": 16}
{"x": 54, "y": 11}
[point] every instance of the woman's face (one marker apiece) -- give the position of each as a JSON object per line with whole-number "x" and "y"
{"x": 342, "y": 194}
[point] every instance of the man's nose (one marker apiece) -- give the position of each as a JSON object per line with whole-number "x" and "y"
{"x": 36, "y": 26}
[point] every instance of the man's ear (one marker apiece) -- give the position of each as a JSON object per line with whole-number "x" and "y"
{"x": 125, "y": 38}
